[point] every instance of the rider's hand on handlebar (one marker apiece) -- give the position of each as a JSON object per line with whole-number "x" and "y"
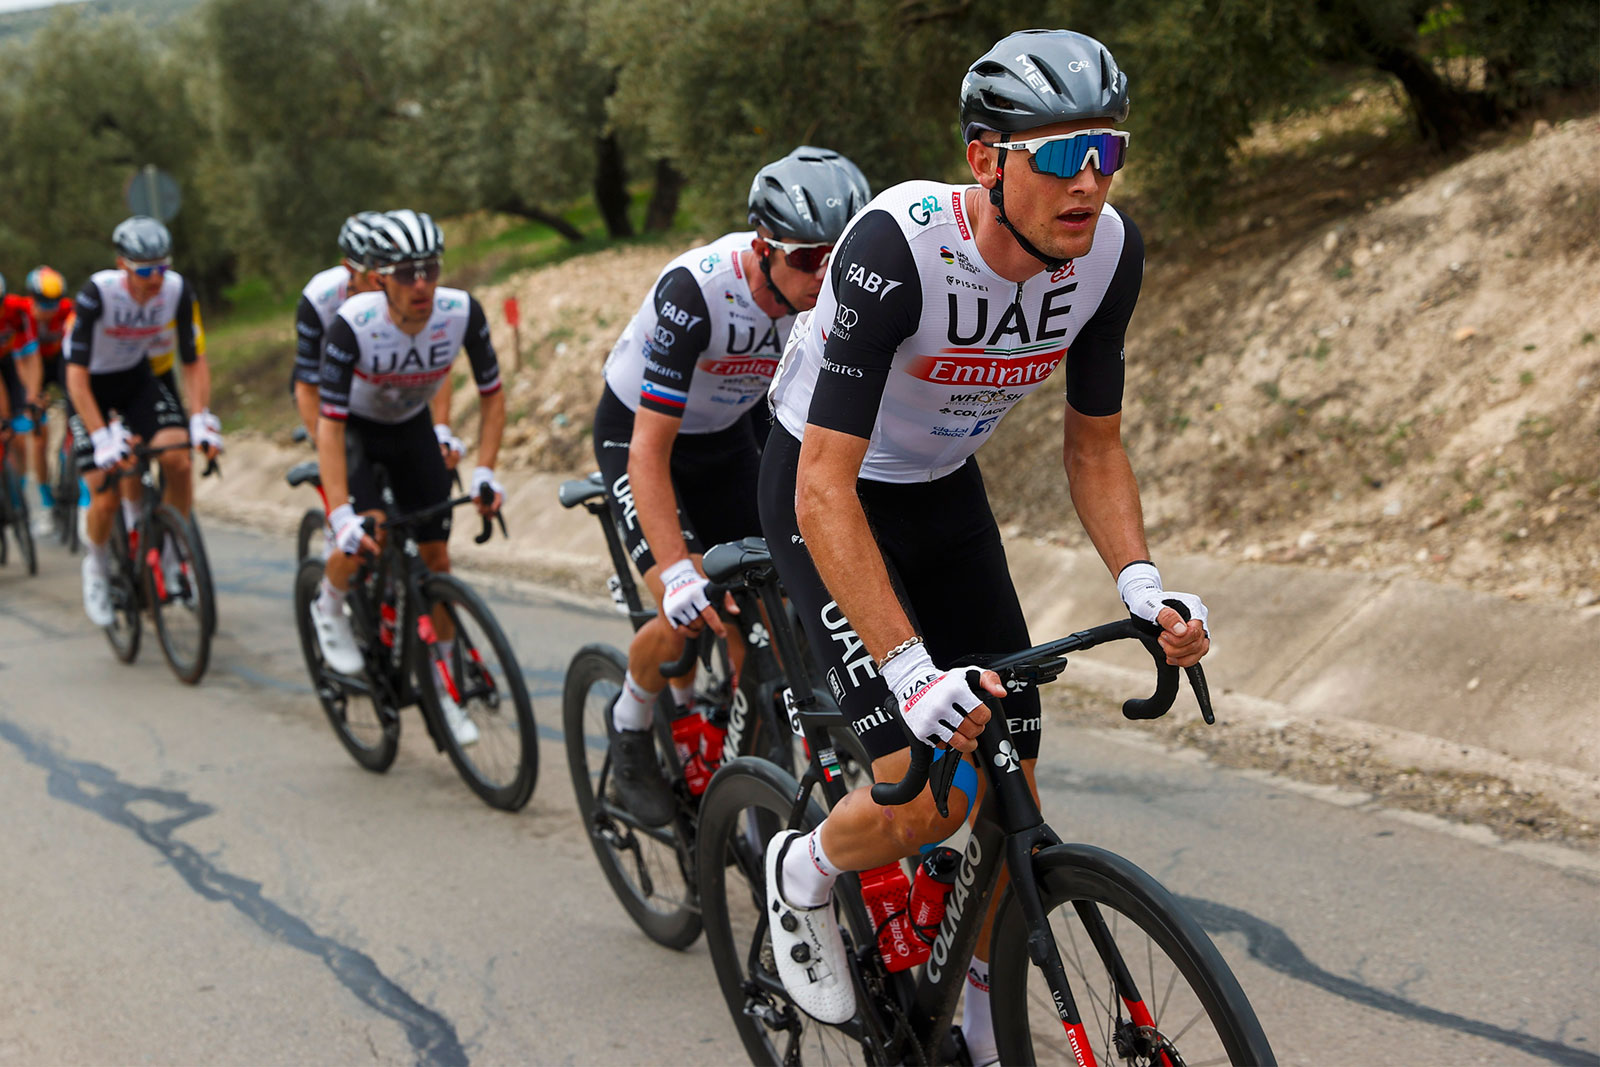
{"x": 349, "y": 533}
{"x": 943, "y": 708}
{"x": 112, "y": 447}
{"x": 205, "y": 433}
{"x": 684, "y": 603}
{"x": 1139, "y": 585}
{"x": 482, "y": 476}
{"x": 450, "y": 446}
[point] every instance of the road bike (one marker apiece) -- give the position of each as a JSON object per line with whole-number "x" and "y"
{"x": 158, "y": 567}
{"x": 1092, "y": 961}
{"x": 734, "y": 712}
{"x": 14, "y": 517}
{"x": 394, "y": 601}
{"x": 67, "y": 489}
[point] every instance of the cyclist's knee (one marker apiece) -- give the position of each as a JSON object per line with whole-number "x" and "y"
{"x": 436, "y": 554}
{"x": 919, "y": 822}
{"x": 176, "y": 463}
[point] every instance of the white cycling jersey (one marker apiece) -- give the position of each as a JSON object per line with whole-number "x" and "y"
{"x": 319, "y": 302}
{"x": 375, "y": 371}
{"x": 918, "y": 346}
{"x": 114, "y": 332}
{"x": 699, "y": 348}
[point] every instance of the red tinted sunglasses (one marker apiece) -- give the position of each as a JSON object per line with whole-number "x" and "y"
{"x": 807, "y": 259}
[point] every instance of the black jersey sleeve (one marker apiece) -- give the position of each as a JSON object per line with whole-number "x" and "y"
{"x": 338, "y": 369}
{"x": 480, "y": 349}
{"x": 681, "y": 333}
{"x": 307, "y": 342}
{"x": 184, "y": 323}
{"x": 879, "y": 296}
{"x": 87, "y": 307}
{"x": 1095, "y": 367}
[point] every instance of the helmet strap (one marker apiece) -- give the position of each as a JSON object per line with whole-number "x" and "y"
{"x": 997, "y": 197}
{"x": 766, "y": 270}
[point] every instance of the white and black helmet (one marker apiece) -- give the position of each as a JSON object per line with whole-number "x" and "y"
{"x": 356, "y": 233}
{"x": 142, "y": 239}
{"x": 402, "y": 235}
{"x": 808, "y": 195}
{"x": 1035, "y": 77}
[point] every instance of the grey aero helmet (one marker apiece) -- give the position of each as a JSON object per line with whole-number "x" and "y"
{"x": 403, "y": 235}
{"x": 1035, "y": 77}
{"x": 356, "y": 234}
{"x": 142, "y": 239}
{"x": 807, "y": 196}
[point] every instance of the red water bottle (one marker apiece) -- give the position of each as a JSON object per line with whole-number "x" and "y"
{"x": 885, "y": 891}
{"x": 936, "y": 876}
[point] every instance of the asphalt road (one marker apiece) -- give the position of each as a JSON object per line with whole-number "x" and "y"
{"x": 201, "y": 875}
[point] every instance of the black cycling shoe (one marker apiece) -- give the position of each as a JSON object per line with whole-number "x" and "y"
{"x": 641, "y": 788}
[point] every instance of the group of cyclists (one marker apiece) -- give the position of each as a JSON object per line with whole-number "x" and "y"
{"x": 823, "y": 378}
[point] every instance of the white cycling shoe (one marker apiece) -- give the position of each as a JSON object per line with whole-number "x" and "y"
{"x": 460, "y": 723}
{"x": 807, "y": 947}
{"x": 337, "y": 640}
{"x": 96, "y": 594}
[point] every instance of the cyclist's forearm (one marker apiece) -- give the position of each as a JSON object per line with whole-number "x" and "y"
{"x": 650, "y": 479}
{"x": 841, "y": 544}
{"x": 83, "y": 397}
{"x": 1105, "y": 492}
{"x": 331, "y": 462}
{"x": 197, "y": 385}
{"x": 439, "y": 406}
{"x": 492, "y": 420}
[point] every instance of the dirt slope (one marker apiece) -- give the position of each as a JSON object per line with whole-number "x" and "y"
{"x": 1414, "y": 387}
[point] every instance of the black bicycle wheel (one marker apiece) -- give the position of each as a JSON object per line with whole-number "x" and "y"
{"x": 309, "y": 534}
{"x": 502, "y": 765}
{"x": 368, "y": 727}
{"x": 22, "y": 526}
{"x": 1191, "y": 1009}
{"x": 64, "y": 514}
{"x": 178, "y": 587}
{"x": 747, "y": 802}
{"x": 126, "y": 593}
{"x": 202, "y": 563}
{"x": 645, "y": 866}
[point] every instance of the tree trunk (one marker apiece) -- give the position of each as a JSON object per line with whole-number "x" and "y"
{"x": 663, "y": 198}
{"x": 611, "y": 186}
{"x": 515, "y": 205}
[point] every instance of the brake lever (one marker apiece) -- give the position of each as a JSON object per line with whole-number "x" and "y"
{"x": 941, "y": 777}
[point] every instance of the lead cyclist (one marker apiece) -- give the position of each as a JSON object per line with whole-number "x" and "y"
{"x": 944, "y": 307}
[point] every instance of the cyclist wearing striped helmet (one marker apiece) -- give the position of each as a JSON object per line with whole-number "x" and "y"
{"x": 387, "y": 357}
{"x": 319, "y": 300}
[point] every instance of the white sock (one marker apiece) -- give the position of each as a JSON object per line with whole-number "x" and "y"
{"x": 683, "y": 695}
{"x": 130, "y": 513}
{"x": 101, "y": 554}
{"x": 977, "y": 1025}
{"x": 633, "y": 706}
{"x": 331, "y": 600}
{"x": 808, "y": 873}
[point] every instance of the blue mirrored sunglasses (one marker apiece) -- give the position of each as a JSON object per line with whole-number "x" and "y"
{"x": 151, "y": 270}
{"x": 1064, "y": 155}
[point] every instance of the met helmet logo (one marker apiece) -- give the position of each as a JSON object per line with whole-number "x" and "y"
{"x": 1032, "y": 75}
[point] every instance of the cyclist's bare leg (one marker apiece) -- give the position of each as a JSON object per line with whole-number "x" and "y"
{"x": 176, "y": 469}
{"x": 102, "y": 507}
{"x": 37, "y": 445}
{"x": 860, "y": 834}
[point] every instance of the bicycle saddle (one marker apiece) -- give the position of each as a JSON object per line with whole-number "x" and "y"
{"x": 301, "y": 473}
{"x": 581, "y": 490}
{"x": 729, "y": 562}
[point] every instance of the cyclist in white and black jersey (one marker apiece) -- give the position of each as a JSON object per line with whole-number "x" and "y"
{"x": 673, "y": 433}
{"x": 943, "y": 308}
{"x": 319, "y": 300}
{"x": 388, "y": 354}
{"x": 120, "y": 315}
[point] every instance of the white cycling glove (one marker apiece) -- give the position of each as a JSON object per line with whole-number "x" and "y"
{"x": 482, "y": 476}
{"x": 932, "y": 702}
{"x": 448, "y": 439}
{"x": 205, "y": 429}
{"x": 1139, "y": 585}
{"x": 110, "y": 445}
{"x": 685, "y": 596}
{"x": 347, "y": 529}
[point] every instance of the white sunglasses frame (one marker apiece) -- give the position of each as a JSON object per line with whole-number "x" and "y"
{"x": 1033, "y": 144}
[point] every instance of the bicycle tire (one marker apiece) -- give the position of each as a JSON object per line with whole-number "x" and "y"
{"x": 592, "y": 682}
{"x": 373, "y": 742}
{"x": 747, "y": 802}
{"x": 126, "y": 606}
{"x": 22, "y": 523}
{"x": 191, "y": 601}
{"x": 309, "y": 533}
{"x": 202, "y": 561}
{"x": 1209, "y": 1014}
{"x": 65, "y": 511}
{"x": 503, "y": 783}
